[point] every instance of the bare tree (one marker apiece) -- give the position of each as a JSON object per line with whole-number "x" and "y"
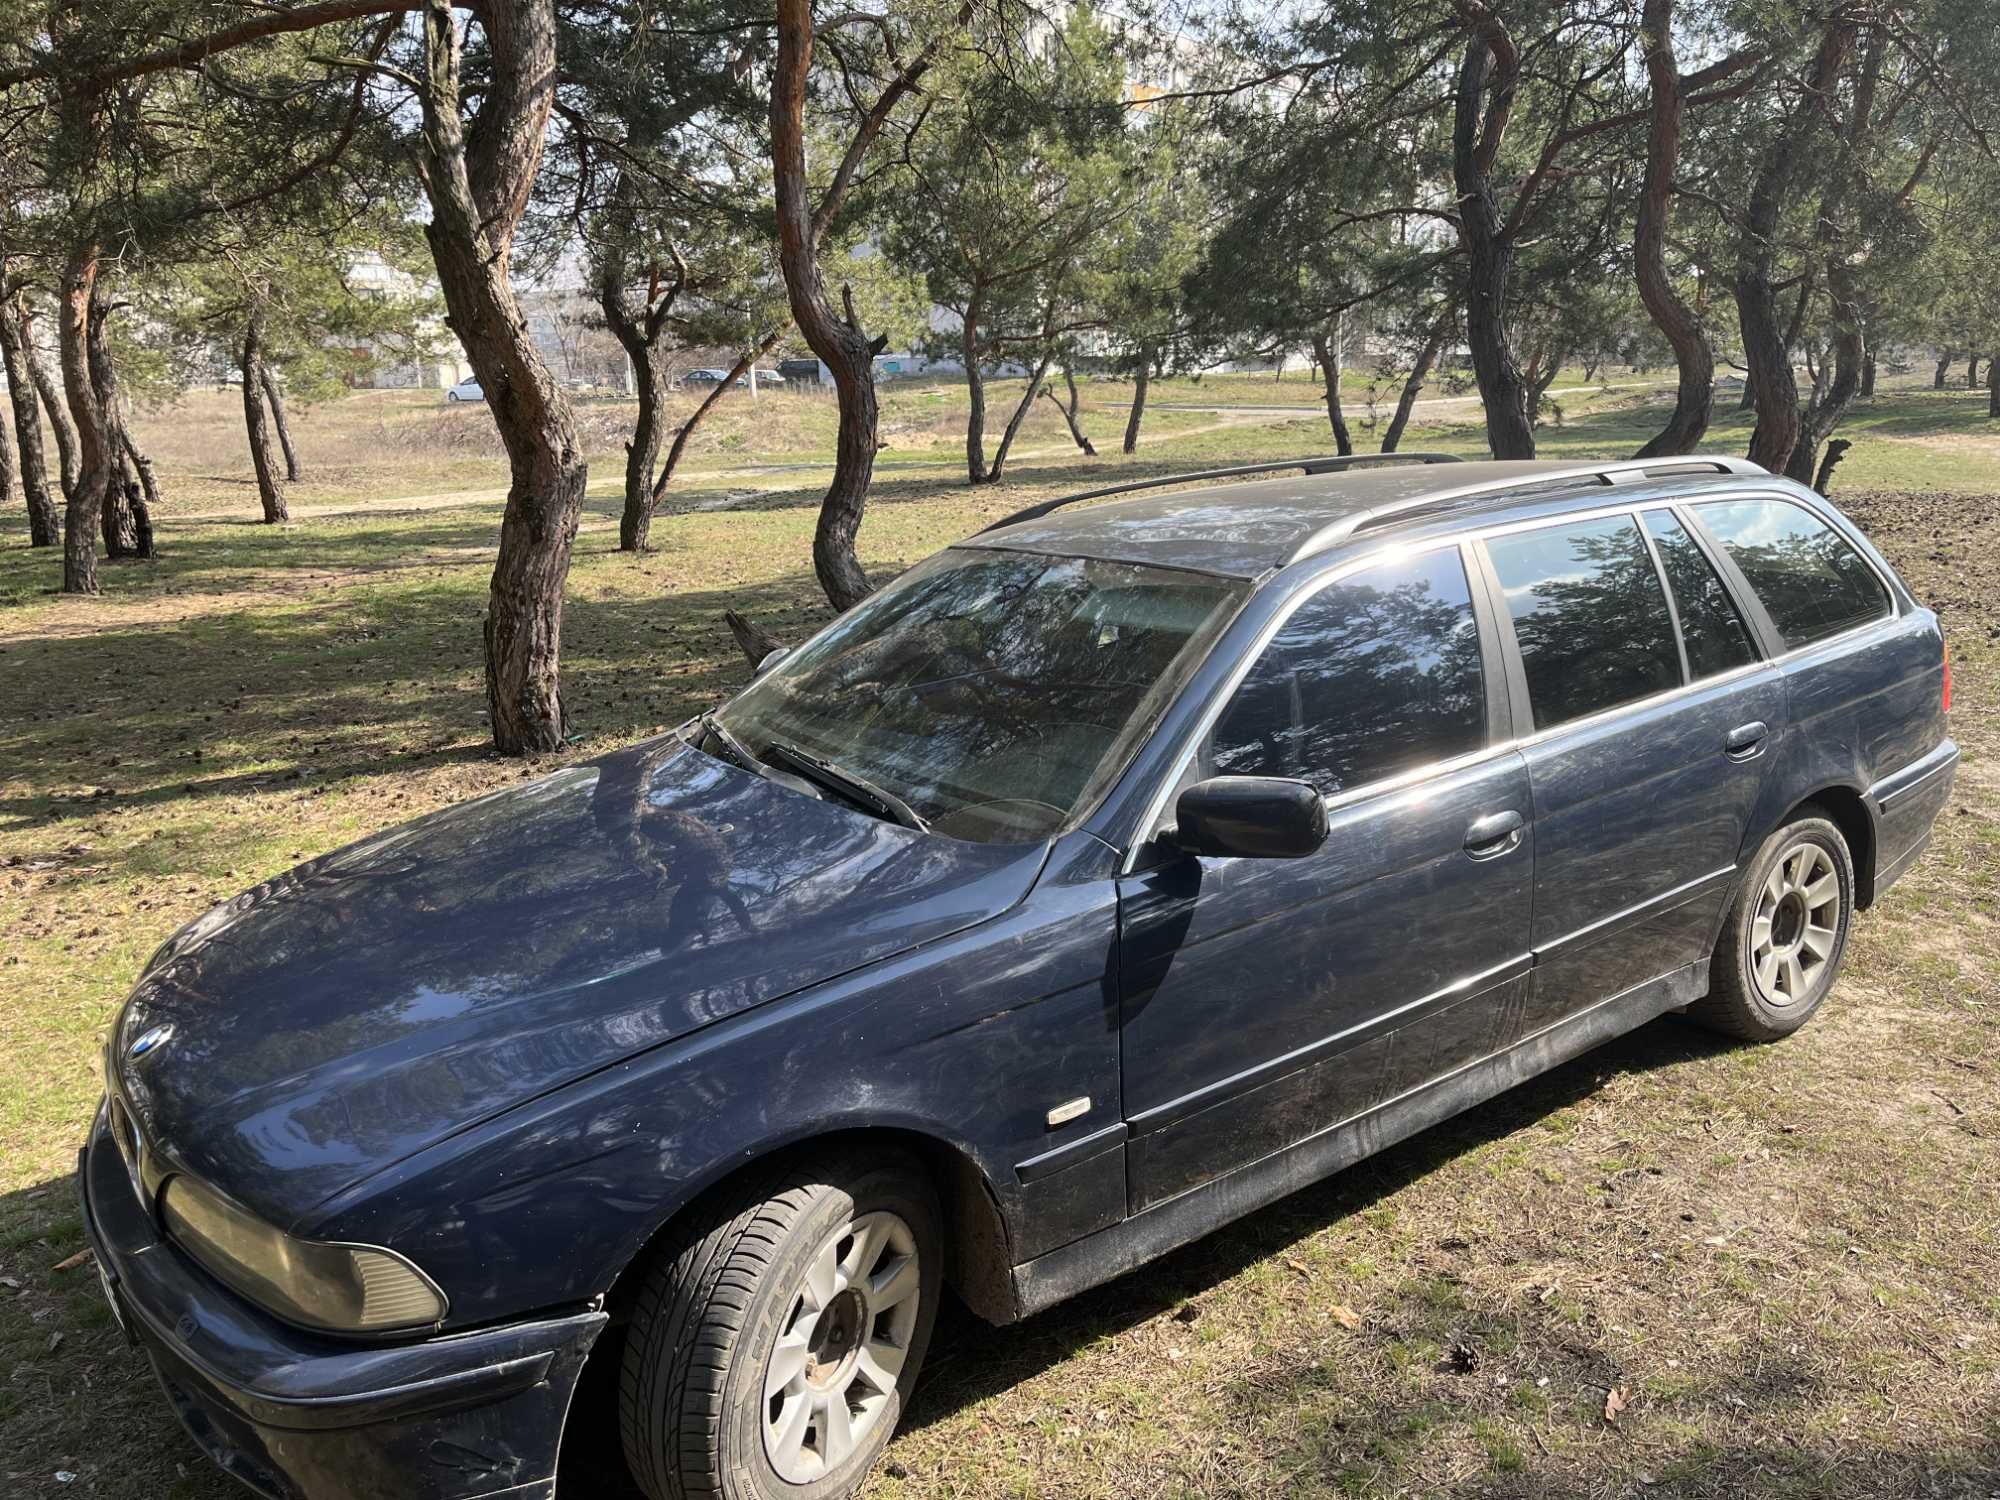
{"x": 44, "y": 521}
{"x": 834, "y": 334}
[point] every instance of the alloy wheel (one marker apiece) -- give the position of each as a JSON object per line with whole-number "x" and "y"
{"x": 843, "y": 1343}
{"x": 1796, "y": 927}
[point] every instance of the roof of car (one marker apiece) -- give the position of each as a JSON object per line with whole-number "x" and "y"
{"x": 1246, "y": 529}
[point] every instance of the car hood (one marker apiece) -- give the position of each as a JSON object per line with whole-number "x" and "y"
{"x": 368, "y": 1003}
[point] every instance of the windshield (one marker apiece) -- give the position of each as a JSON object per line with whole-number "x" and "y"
{"x": 995, "y": 693}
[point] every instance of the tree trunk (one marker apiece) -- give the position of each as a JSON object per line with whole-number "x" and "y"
{"x": 1138, "y": 412}
{"x": 267, "y": 378}
{"x": 642, "y": 450}
{"x": 1014, "y": 422}
{"x": 270, "y": 483}
{"x": 839, "y": 342}
{"x": 51, "y": 392}
{"x": 1069, "y": 411}
{"x": 1413, "y": 387}
{"x": 1694, "y": 397}
{"x": 1993, "y": 388}
{"x": 975, "y": 394}
{"x": 1972, "y": 372}
{"x": 128, "y": 530}
{"x": 1868, "y": 377}
{"x": 96, "y": 471}
{"x": 687, "y": 428}
{"x": 1945, "y": 358}
{"x": 1835, "y": 452}
{"x": 478, "y": 189}
{"x": 1489, "y": 262}
{"x": 44, "y": 522}
{"x": 1327, "y": 350}
{"x": 1772, "y": 385}
{"x": 142, "y": 467}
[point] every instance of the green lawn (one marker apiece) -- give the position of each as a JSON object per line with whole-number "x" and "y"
{"x": 1786, "y": 1258}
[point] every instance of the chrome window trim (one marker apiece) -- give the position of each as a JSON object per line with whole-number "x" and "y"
{"x": 1150, "y": 823}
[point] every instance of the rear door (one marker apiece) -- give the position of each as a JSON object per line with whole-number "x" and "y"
{"x": 1264, "y": 1001}
{"x": 1646, "y": 714}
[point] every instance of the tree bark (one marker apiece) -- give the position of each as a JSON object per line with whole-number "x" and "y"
{"x": 44, "y": 521}
{"x": 270, "y": 483}
{"x": 1413, "y": 387}
{"x": 7, "y": 474}
{"x": 51, "y": 390}
{"x": 274, "y": 395}
{"x": 975, "y": 392}
{"x": 1694, "y": 397}
{"x": 1326, "y": 347}
{"x": 1868, "y": 377}
{"x": 1972, "y": 372}
{"x": 128, "y": 528}
{"x": 700, "y": 414}
{"x": 1945, "y": 358}
{"x": 478, "y": 183}
{"x": 642, "y": 451}
{"x": 1993, "y": 388}
{"x": 1138, "y": 413}
{"x": 1035, "y": 378}
{"x": 96, "y": 472}
{"x": 838, "y": 341}
{"x": 1489, "y": 248}
{"x": 1069, "y": 412}
{"x": 1773, "y": 387}
{"x": 141, "y": 466}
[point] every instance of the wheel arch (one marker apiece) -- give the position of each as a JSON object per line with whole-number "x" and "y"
{"x": 1848, "y": 811}
{"x": 978, "y": 1265}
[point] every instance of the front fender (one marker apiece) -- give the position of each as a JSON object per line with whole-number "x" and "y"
{"x": 968, "y": 1042}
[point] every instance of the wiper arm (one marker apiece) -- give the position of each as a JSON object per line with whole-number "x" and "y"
{"x": 856, "y": 789}
{"x": 738, "y": 751}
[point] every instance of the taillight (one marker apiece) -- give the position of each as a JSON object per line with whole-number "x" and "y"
{"x": 1947, "y": 677}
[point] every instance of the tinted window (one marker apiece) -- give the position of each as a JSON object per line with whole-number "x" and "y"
{"x": 995, "y": 692}
{"x": 1715, "y": 634}
{"x": 1811, "y": 582}
{"x": 1589, "y": 615}
{"x": 1374, "y": 675}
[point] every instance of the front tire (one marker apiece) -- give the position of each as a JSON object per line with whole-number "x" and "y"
{"x": 778, "y": 1334}
{"x": 1785, "y": 936}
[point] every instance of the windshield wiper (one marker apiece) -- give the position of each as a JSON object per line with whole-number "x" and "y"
{"x": 738, "y": 751}
{"x": 862, "y": 792}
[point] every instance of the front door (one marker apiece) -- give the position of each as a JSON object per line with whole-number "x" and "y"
{"x": 1646, "y": 752}
{"x": 1264, "y": 1001}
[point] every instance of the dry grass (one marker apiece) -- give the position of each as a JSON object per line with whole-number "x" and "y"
{"x": 1785, "y": 1258}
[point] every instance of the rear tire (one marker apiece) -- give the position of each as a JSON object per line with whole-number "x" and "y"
{"x": 779, "y": 1332}
{"x": 1785, "y": 936}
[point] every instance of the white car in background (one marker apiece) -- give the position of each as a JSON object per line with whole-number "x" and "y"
{"x": 466, "y": 390}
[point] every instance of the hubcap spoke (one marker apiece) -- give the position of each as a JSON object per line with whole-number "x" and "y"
{"x": 822, "y": 1279}
{"x": 838, "y": 1439}
{"x": 881, "y": 1364}
{"x": 893, "y": 1283}
{"x": 785, "y": 1438}
{"x": 1819, "y": 942}
{"x": 788, "y": 1363}
{"x": 1795, "y": 984}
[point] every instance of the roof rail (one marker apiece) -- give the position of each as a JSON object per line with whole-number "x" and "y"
{"x": 1324, "y": 465}
{"x": 1623, "y": 472}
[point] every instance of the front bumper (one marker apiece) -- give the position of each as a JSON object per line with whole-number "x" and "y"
{"x": 299, "y": 1416}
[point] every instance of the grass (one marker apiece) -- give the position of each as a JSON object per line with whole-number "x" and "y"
{"x": 1786, "y": 1257}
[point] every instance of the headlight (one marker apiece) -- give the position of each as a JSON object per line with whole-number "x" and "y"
{"x": 347, "y": 1288}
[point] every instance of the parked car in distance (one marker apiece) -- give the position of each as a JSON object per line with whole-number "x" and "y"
{"x": 701, "y": 377}
{"x": 466, "y": 390}
{"x": 799, "y": 371}
{"x": 1108, "y": 875}
{"x": 764, "y": 377}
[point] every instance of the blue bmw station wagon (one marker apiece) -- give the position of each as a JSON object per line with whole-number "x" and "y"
{"x": 1107, "y": 876}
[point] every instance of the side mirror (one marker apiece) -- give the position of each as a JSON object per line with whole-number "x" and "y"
{"x": 770, "y": 659}
{"x": 1250, "y": 817}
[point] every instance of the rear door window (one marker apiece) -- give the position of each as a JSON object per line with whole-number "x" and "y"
{"x": 1812, "y": 583}
{"x": 1716, "y": 638}
{"x": 1589, "y": 616}
{"x": 1373, "y": 676}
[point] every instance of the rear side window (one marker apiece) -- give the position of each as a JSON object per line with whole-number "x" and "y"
{"x": 1812, "y": 583}
{"x": 1373, "y": 676}
{"x": 1712, "y": 630}
{"x": 1589, "y": 616}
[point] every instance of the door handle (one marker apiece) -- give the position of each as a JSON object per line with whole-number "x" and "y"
{"x": 1746, "y": 741}
{"x": 1495, "y": 834}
